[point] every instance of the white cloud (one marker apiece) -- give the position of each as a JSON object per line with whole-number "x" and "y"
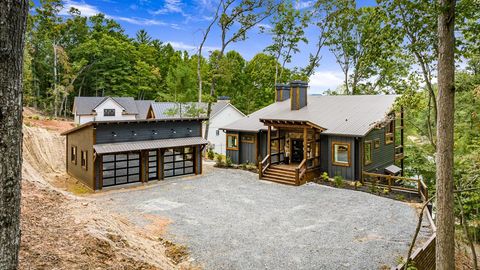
{"x": 170, "y": 6}
{"x": 138, "y": 21}
{"x": 84, "y": 8}
{"x": 324, "y": 80}
{"x": 300, "y": 4}
{"x": 87, "y": 10}
{"x": 264, "y": 26}
{"x": 179, "y": 45}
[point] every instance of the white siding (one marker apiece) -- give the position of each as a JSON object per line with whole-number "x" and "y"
{"x": 107, "y": 104}
{"x": 226, "y": 116}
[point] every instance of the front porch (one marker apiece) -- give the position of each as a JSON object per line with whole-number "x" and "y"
{"x": 293, "y": 152}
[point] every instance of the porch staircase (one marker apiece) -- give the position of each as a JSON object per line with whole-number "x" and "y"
{"x": 280, "y": 174}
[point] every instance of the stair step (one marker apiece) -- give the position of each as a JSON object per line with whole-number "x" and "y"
{"x": 288, "y": 169}
{"x": 276, "y": 180}
{"x": 280, "y": 173}
{"x": 280, "y": 177}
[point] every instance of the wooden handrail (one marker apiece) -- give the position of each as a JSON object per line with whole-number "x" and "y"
{"x": 393, "y": 177}
{"x": 262, "y": 167}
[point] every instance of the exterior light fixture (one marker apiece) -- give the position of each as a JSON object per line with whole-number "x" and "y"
{"x": 154, "y": 132}
{"x": 134, "y": 133}
{"x": 189, "y": 130}
{"x": 114, "y": 134}
{"x": 173, "y": 131}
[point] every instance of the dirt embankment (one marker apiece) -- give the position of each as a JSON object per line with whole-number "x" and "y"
{"x": 61, "y": 230}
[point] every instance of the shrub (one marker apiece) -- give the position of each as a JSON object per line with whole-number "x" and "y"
{"x": 400, "y": 197}
{"x": 325, "y": 176}
{"x": 373, "y": 187}
{"x": 338, "y": 180}
{"x": 228, "y": 162}
{"x": 211, "y": 154}
{"x": 219, "y": 161}
{"x": 386, "y": 191}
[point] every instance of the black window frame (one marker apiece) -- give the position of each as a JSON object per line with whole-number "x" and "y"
{"x": 73, "y": 154}
{"x": 108, "y": 112}
{"x": 128, "y": 167}
{"x": 84, "y": 160}
{"x": 174, "y": 162}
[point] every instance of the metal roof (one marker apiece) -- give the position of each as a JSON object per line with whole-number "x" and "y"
{"x": 86, "y": 105}
{"x": 341, "y": 115}
{"x": 145, "y": 145}
{"x": 142, "y": 108}
{"x": 164, "y": 110}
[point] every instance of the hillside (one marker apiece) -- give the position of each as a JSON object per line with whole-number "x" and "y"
{"x": 61, "y": 229}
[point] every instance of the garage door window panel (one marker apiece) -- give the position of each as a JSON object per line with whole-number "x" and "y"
{"x": 121, "y": 168}
{"x": 178, "y": 161}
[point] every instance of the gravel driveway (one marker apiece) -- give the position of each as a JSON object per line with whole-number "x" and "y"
{"x": 231, "y": 220}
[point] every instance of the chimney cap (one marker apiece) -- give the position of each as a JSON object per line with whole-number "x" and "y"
{"x": 299, "y": 83}
{"x": 223, "y": 98}
{"x": 282, "y": 86}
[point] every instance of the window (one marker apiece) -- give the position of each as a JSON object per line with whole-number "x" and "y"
{"x": 248, "y": 139}
{"x": 73, "y": 154}
{"x": 108, "y": 112}
{"x": 367, "y": 150}
{"x": 217, "y": 132}
{"x": 389, "y": 131}
{"x": 376, "y": 143}
{"x": 232, "y": 141}
{"x": 84, "y": 159}
{"x": 341, "y": 154}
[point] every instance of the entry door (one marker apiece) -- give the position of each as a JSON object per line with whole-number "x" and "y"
{"x": 121, "y": 168}
{"x": 178, "y": 161}
{"x": 297, "y": 151}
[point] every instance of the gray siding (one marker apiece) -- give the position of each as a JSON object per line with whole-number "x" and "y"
{"x": 326, "y": 157}
{"x": 247, "y": 150}
{"x": 262, "y": 144}
{"x": 145, "y": 131}
{"x": 383, "y": 156}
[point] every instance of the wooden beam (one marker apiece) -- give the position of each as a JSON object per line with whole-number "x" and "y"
{"x": 305, "y": 142}
{"x": 269, "y": 146}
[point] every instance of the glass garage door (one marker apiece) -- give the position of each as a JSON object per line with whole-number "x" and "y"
{"x": 121, "y": 168}
{"x": 178, "y": 161}
{"x": 152, "y": 165}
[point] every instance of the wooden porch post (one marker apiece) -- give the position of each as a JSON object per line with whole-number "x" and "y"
{"x": 269, "y": 145}
{"x": 305, "y": 133}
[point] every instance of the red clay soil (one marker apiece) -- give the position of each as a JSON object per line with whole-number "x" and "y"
{"x": 52, "y": 239}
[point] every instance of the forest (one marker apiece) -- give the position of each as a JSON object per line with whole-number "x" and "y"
{"x": 391, "y": 47}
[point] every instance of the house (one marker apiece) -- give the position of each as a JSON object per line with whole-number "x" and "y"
{"x": 299, "y": 137}
{"x": 86, "y": 109}
{"x": 110, "y": 153}
{"x": 222, "y": 114}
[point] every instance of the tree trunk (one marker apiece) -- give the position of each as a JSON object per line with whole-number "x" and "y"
{"x": 55, "y": 94}
{"x": 445, "y": 243}
{"x": 13, "y": 19}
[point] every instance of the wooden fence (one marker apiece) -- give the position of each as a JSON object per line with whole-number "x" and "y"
{"x": 397, "y": 183}
{"x": 424, "y": 257}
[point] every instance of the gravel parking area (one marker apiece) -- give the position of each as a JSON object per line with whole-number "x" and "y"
{"x": 231, "y": 220}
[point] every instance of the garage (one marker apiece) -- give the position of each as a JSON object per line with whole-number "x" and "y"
{"x": 121, "y": 168}
{"x": 178, "y": 161}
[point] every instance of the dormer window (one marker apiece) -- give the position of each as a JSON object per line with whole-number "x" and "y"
{"x": 108, "y": 112}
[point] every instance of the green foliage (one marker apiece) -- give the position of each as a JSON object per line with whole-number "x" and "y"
{"x": 219, "y": 160}
{"x": 338, "y": 181}
{"x": 228, "y": 162}
{"x": 210, "y": 154}
{"x": 325, "y": 177}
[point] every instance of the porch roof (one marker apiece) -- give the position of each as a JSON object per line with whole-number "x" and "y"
{"x": 149, "y": 144}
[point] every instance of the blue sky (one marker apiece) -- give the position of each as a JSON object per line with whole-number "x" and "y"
{"x": 181, "y": 22}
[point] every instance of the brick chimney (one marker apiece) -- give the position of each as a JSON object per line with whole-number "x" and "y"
{"x": 298, "y": 94}
{"x": 283, "y": 92}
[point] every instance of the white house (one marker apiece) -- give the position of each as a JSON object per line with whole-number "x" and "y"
{"x": 87, "y": 109}
{"x": 222, "y": 114}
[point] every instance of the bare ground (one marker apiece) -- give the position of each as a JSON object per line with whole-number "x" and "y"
{"x": 61, "y": 229}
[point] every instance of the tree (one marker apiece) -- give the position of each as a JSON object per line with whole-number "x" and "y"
{"x": 445, "y": 241}
{"x": 246, "y": 15}
{"x": 13, "y": 23}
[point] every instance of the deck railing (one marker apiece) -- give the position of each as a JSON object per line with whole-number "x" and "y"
{"x": 263, "y": 166}
{"x": 300, "y": 171}
{"x": 397, "y": 183}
